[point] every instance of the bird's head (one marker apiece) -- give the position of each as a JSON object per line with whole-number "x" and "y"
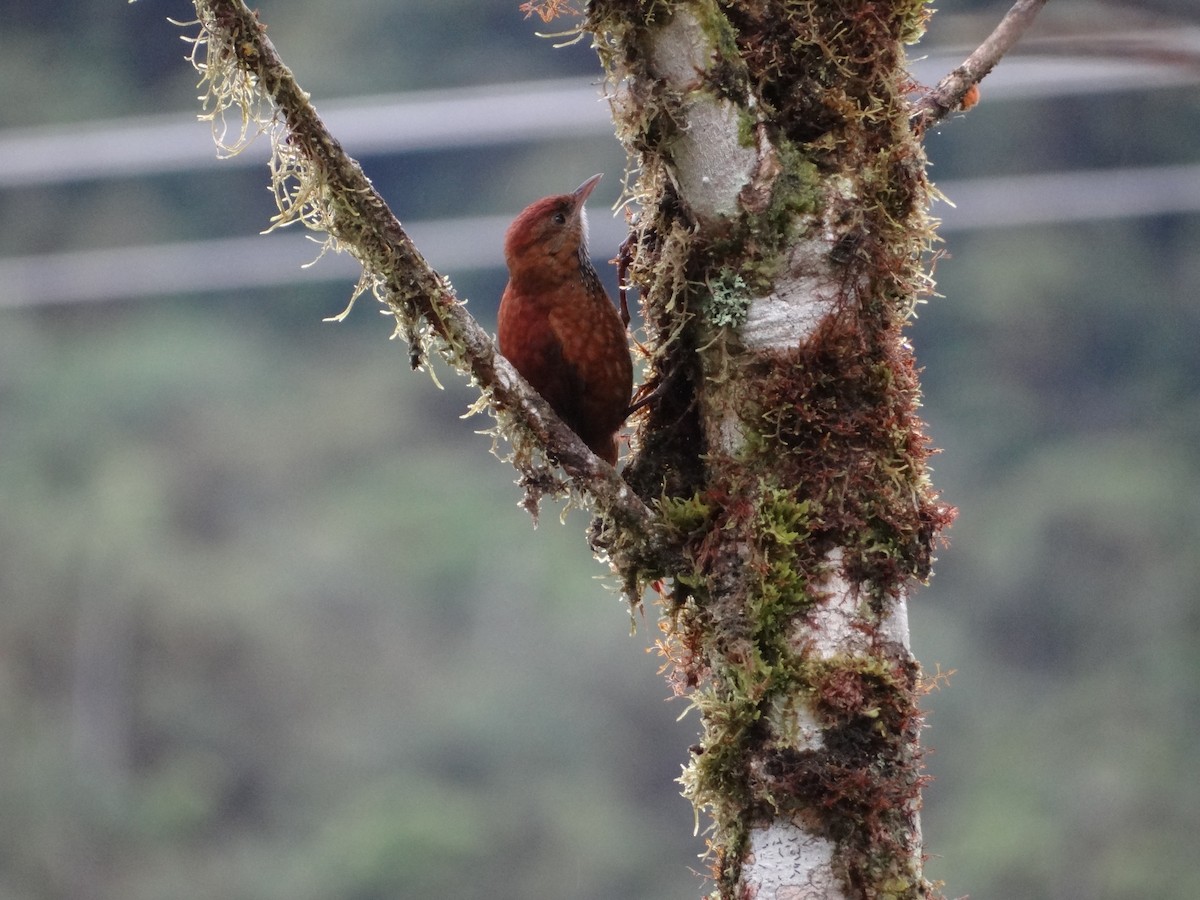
{"x": 550, "y": 234}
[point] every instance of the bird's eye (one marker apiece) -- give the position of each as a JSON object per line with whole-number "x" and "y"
{"x": 560, "y": 218}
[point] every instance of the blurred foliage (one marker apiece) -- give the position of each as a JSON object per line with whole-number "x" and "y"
{"x": 275, "y": 627}
{"x": 271, "y": 624}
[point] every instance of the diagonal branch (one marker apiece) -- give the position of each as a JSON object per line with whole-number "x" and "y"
{"x": 948, "y": 96}
{"x": 318, "y": 184}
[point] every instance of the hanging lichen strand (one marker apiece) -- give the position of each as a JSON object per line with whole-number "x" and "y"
{"x": 778, "y": 252}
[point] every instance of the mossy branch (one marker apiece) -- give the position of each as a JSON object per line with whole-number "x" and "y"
{"x": 317, "y": 184}
{"x": 950, "y": 92}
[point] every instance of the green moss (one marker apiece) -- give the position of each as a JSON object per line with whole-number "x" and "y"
{"x": 685, "y": 516}
{"x": 784, "y": 566}
{"x": 726, "y": 75}
{"x": 798, "y": 192}
{"x": 914, "y": 16}
{"x": 747, "y": 129}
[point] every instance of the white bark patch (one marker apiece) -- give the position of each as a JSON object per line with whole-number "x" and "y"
{"x": 784, "y": 862}
{"x": 803, "y": 296}
{"x": 834, "y": 627}
{"x": 810, "y": 287}
{"x": 833, "y": 620}
{"x": 895, "y": 626}
{"x": 681, "y": 51}
{"x": 711, "y": 165}
{"x": 787, "y": 317}
{"x": 795, "y": 725}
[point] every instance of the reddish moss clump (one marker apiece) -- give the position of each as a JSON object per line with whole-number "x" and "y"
{"x": 843, "y": 410}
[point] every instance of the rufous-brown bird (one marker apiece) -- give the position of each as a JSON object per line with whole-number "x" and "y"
{"x": 557, "y": 325}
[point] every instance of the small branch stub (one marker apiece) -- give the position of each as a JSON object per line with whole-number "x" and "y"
{"x": 954, "y": 92}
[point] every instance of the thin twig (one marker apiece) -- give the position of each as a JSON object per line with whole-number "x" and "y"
{"x": 948, "y": 95}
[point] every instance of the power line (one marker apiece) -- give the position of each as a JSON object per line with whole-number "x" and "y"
{"x": 459, "y": 245}
{"x": 397, "y": 123}
{"x": 239, "y": 263}
{"x": 1064, "y": 197}
{"x": 522, "y": 112}
{"x": 511, "y": 113}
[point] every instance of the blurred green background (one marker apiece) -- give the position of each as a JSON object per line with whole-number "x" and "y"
{"x": 271, "y": 623}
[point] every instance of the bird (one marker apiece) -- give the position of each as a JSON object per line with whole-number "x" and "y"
{"x": 557, "y": 325}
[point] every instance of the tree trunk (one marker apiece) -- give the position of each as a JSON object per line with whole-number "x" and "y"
{"x": 778, "y": 252}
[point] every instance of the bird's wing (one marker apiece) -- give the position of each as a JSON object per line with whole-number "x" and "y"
{"x": 562, "y": 352}
{"x": 536, "y": 348}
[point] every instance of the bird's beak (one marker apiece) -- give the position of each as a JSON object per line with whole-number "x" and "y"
{"x": 581, "y": 193}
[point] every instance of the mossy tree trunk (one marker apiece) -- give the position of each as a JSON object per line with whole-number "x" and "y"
{"x": 779, "y": 254}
